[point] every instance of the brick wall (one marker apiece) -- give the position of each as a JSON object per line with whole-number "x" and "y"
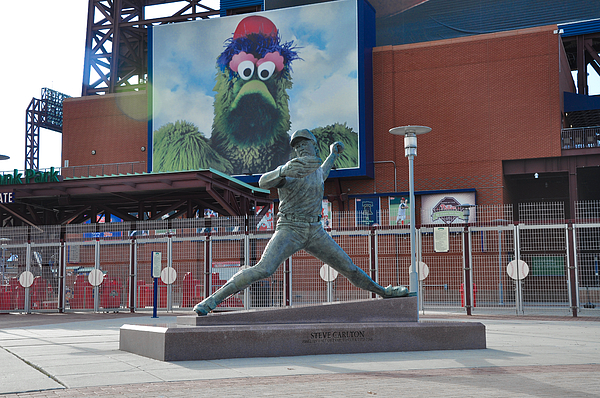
{"x": 113, "y": 125}
{"x": 487, "y": 98}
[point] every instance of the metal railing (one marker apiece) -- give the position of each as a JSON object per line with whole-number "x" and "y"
{"x": 96, "y": 170}
{"x": 580, "y": 137}
{"x": 103, "y": 170}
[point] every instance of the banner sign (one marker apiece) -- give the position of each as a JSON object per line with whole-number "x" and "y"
{"x": 399, "y": 210}
{"x": 445, "y": 208}
{"x": 326, "y": 214}
{"x": 367, "y": 210}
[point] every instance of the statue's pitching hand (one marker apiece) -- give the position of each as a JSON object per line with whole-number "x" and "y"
{"x": 300, "y": 167}
{"x": 395, "y": 291}
{"x": 337, "y": 147}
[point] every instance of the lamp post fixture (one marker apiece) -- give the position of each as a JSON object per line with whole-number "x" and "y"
{"x": 410, "y": 151}
{"x": 468, "y": 270}
{"x": 4, "y": 157}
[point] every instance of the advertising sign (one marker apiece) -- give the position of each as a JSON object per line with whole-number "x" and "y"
{"x": 445, "y": 208}
{"x": 399, "y": 210}
{"x": 367, "y": 210}
{"x": 226, "y": 93}
{"x": 326, "y": 214}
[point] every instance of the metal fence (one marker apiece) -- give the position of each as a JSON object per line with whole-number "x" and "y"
{"x": 580, "y": 137}
{"x": 542, "y": 262}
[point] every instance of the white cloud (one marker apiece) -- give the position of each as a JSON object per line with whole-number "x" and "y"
{"x": 192, "y": 106}
{"x": 327, "y": 90}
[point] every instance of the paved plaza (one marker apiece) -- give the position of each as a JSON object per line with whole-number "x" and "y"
{"x": 77, "y": 355}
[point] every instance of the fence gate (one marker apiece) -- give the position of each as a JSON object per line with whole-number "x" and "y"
{"x": 443, "y": 285}
{"x": 14, "y": 263}
{"x": 543, "y": 273}
{"x": 393, "y": 257}
{"x": 227, "y": 254}
{"x": 144, "y": 283}
{"x": 587, "y": 244}
{"x": 188, "y": 261}
{"x": 492, "y": 249}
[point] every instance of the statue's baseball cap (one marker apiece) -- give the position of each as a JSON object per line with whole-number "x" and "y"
{"x": 304, "y": 133}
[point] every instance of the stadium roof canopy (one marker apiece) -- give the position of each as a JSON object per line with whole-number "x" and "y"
{"x": 442, "y": 19}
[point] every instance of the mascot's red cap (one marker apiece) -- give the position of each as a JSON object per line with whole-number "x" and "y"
{"x": 255, "y": 24}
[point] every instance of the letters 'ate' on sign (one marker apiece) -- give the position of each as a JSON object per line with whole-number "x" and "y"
{"x": 7, "y": 197}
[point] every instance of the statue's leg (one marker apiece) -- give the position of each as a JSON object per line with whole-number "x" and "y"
{"x": 282, "y": 245}
{"x": 323, "y": 247}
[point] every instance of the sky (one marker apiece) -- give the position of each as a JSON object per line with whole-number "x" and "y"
{"x": 43, "y": 46}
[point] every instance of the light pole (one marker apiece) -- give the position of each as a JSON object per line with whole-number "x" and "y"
{"x": 410, "y": 151}
{"x": 468, "y": 269}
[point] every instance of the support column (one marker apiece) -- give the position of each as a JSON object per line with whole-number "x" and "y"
{"x": 62, "y": 267}
{"x": 287, "y": 282}
{"x": 572, "y": 188}
{"x": 132, "y": 272}
{"x": 373, "y": 257}
{"x": 467, "y": 291}
{"x": 582, "y": 86}
{"x": 572, "y": 269}
{"x": 207, "y": 266}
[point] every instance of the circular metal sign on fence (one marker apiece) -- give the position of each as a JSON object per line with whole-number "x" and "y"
{"x": 26, "y": 279}
{"x": 168, "y": 275}
{"x": 423, "y": 271}
{"x": 96, "y": 277}
{"x": 327, "y": 273}
{"x": 517, "y": 270}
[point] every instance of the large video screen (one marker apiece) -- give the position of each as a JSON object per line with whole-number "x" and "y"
{"x": 227, "y": 93}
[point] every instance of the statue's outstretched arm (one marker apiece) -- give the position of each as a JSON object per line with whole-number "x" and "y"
{"x": 271, "y": 178}
{"x": 335, "y": 150}
{"x": 295, "y": 168}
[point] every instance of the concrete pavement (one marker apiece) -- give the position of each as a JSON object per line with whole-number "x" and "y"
{"x": 72, "y": 355}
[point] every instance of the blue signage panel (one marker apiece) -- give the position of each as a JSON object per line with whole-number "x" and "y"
{"x": 367, "y": 210}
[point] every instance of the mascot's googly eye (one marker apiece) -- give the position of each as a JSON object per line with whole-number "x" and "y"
{"x": 246, "y": 69}
{"x": 265, "y": 70}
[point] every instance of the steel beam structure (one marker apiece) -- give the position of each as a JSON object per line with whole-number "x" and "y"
{"x": 152, "y": 197}
{"x": 41, "y": 113}
{"x": 582, "y": 50}
{"x": 116, "y": 44}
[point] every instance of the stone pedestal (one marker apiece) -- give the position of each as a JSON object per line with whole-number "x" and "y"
{"x": 389, "y": 325}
